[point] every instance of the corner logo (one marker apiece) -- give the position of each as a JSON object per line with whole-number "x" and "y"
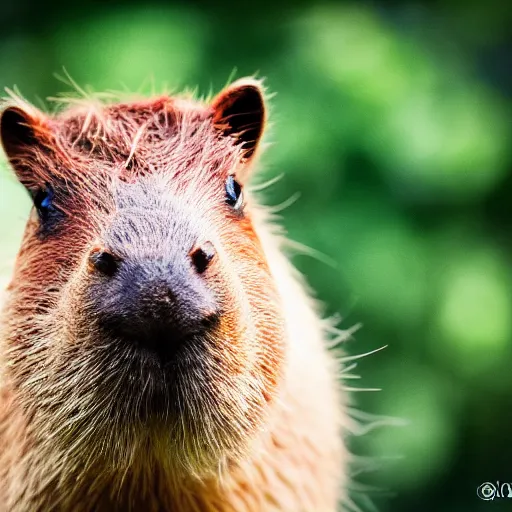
{"x": 488, "y": 491}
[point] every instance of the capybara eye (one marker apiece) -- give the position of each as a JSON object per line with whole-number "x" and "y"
{"x": 234, "y": 196}
{"x": 43, "y": 201}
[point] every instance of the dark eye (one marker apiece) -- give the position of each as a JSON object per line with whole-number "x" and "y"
{"x": 234, "y": 196}
{"x": 43, "y": 201}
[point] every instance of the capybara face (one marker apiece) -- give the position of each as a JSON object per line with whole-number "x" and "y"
{"x": 142, "y": 313}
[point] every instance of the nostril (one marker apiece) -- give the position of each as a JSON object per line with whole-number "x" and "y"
{"x": 202, "y": 256}
{"x": 104, "y": 262}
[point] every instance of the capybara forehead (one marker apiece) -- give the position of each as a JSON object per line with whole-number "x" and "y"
{"x": 126, "y": 140}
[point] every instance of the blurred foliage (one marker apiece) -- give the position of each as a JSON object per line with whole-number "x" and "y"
{"x": 393, "y": 122}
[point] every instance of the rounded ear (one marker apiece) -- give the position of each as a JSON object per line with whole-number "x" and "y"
{"x": 239, "y": 111}
{"x": 22, "y": 132}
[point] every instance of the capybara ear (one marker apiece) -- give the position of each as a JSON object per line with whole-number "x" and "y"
{"x": 23, "y": 132}
{"x": 239, "y": 111}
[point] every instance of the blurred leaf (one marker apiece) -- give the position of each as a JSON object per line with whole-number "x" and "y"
{"x": 423, "y": 448}
{"x": 473, "y": 319}
{"x": 435, "y": 133}
{"x": 128, "y": 47}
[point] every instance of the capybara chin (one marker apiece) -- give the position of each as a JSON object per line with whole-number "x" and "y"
{"x": 158, "y": 351}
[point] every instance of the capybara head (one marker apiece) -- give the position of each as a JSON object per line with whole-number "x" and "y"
{"x": 142, "y": 315}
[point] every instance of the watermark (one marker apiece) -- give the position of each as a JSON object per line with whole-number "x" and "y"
{"x": 488, "y": 491}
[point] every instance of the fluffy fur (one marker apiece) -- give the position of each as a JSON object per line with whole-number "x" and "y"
{"x": 253, "y": 418}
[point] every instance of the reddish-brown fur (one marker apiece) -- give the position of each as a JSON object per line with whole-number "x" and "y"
{"x": 256, "y": 418}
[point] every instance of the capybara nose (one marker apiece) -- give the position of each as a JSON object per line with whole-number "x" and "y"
{"x": 153, "y": 304}
{"x": 103, "y": 261}
{"x": 202, "y": 256}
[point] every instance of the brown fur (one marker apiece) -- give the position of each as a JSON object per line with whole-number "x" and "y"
{"x": 255, "y": 418}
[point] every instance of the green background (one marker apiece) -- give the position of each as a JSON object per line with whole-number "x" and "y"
{"x": 393, "y": 121}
